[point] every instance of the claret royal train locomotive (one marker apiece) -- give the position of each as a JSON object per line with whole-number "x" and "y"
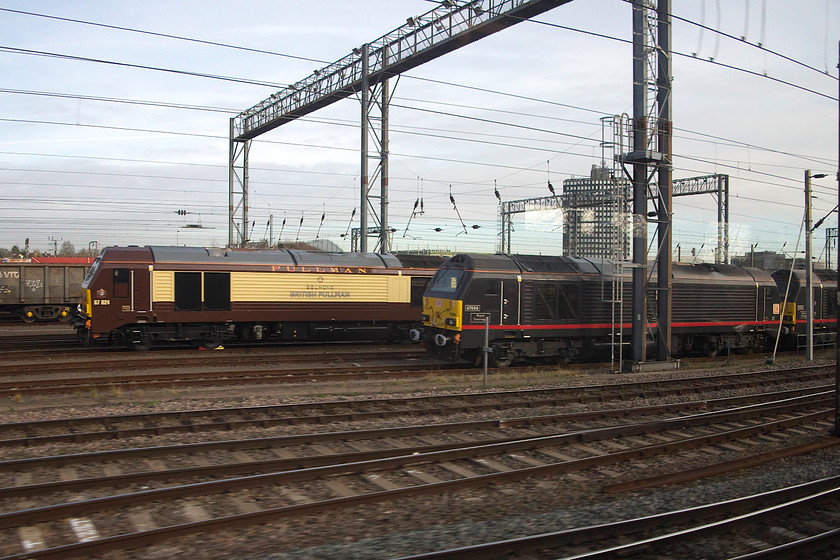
{"x": 143, "y": 296}
{"x": 563, "y": 308}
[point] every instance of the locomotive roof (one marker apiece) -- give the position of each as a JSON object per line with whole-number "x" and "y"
{"x": 821, "y": 276}
{"x": 703, "y": 271}
{"x": 526, "y": 263}
{"x": 410, "y": 260}
{"x": 215, "y": 255}
{"x": 271, "y": 256}
{"x": 559, "y": 264}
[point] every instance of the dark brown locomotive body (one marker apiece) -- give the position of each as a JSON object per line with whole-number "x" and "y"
{"x": 568, "y": 308}
{"x": 140, "y": 296}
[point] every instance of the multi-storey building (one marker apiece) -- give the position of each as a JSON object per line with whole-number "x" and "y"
{"x": 596, "y": 216}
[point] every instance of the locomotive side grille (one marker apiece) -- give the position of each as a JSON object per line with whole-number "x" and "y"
{"x": 708, "y": 303}
{"x": 528, "y": 316}
{"x": 163, "y": 285}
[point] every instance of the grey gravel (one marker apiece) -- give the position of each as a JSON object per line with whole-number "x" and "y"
{"x": 609, "y": 508}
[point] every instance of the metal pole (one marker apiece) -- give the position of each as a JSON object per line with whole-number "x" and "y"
{"x": 384, "y": 244}
{"x": 231, "y": 183}
{"x": 809, "y": 270}
{"x": 837, "y": 326}
{"x": 639, "y": 181}
{"x": 666, "y": 187}
{"x": 486, "y": 349}
{"x": 726, "y": 219}
{"x": 363, "y": 204}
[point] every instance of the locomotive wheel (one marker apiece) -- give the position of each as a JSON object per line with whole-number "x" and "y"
{"x": 143, "y": 343}
{"x": 500, "y": 358}
{"x": 211, "y": 341}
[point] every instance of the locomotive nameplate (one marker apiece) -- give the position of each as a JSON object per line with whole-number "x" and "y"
{"x": 479, "y": 317}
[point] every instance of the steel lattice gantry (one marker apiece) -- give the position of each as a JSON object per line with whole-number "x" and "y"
{"x": 452, "y": 24}
{"x": 507, "y": 209}
{"x": 717, "y": 185}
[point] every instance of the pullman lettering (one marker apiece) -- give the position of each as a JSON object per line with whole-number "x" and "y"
{"x": 320, "y": 269}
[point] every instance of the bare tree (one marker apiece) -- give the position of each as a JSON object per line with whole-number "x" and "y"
{"x": 67, "y": 249}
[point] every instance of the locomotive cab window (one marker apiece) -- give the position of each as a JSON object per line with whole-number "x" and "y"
{"x": 92, "y": 272}
{"x": 447, "y": 280}
{"x": 188, "y": 291}
{"x": 217, "y": 291}
{"x": 121, "y": 282}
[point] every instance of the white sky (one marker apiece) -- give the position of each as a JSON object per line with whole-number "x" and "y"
{"x": 84, "y": 170}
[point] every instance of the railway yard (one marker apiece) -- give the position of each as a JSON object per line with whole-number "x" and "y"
{"x": 376, "y": 451}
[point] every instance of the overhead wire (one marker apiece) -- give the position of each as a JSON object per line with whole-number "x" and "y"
{"x": 263, "y": 83}
{"x": 163, "y": 35}
{"x": 759, "y": 45}
{"x": 254, "y": 82}
{"x": 706, "y": 60}
{"x": 75, "y": 58}
{"x": 706, "y": 137}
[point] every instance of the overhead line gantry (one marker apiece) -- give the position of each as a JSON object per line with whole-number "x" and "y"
{"x": 365, "y": 72}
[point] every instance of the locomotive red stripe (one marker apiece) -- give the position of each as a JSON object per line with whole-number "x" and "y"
{"x": 625, "y": 325}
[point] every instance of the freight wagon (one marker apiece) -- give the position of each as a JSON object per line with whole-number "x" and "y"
{"x": 42, "y": 289}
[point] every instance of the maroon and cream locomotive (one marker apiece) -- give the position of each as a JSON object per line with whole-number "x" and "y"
{"x": 142, "y": 296}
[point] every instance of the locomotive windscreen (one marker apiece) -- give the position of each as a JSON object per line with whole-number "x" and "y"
{"x": 92, "y": 272}
{"x": 446, "y": 280}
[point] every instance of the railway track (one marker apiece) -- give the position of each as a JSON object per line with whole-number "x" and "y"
{"x": 81, "y": 429}
{"x": 126, "y": 518}
{"x": 32, "y": 376}
{"x": 218, "y": 378}
{"x": 481, "y": 432}
{"x": 26, "y": 362}
{"x": 116, "y": 373}
{"x": 145, "y": 498}
{"x": 37, "y": 342}
{"x": 783, "y": 523}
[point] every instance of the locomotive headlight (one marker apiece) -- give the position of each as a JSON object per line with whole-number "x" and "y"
{"x": 450, "y": 322}
{"x": 425, "y": 318}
